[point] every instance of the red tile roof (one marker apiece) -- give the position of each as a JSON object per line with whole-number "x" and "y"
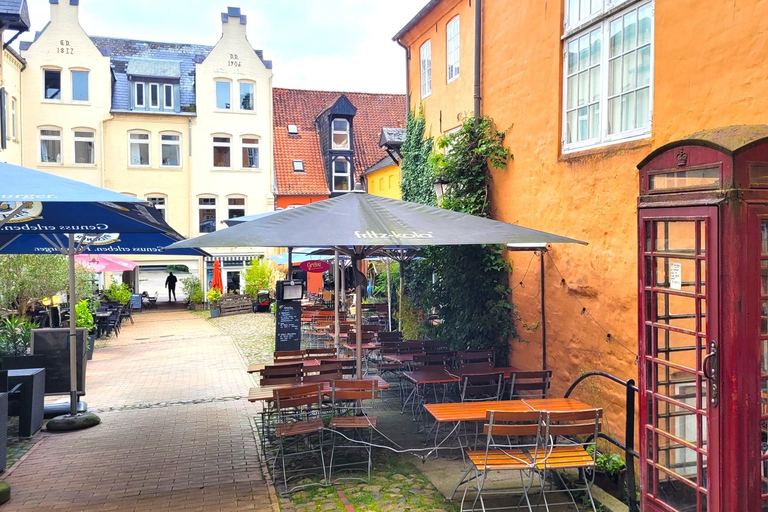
{"x": 300, "y": 107}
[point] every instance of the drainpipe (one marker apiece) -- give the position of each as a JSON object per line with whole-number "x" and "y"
{"x": 103, "y": 153}
{"x": 478, "y": 52}
{"x": 407, "y": 78}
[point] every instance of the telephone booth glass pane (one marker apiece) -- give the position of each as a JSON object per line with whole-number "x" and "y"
{"x": 676, "y": 345}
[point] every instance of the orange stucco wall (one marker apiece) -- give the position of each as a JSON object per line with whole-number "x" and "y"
{"x": 709, "y": 71}
{"x": 286, "y": 201}
{"x": 449, "y": 102}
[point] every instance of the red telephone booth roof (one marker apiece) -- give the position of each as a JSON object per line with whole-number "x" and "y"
{"x": 729, "y": 140}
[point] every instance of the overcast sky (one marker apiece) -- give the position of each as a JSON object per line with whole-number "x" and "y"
{"x": 341, "y": 45}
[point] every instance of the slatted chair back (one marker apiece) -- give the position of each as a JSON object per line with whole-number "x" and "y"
{"x": 485, "y": 367}
{"x": 575, "y": 423}
{"x": 533, "y": 384}
{"x": 289, "y": 355}
{"x": 476, "y": 356}
{"x": 267, "y": 380}
{"x": 304, "y": 400}
{"x": 353, "y": 390}
{"x": 324, "y": 372}
{"x": 390, "y": 336}
{"x": 315, "y": 353}
{"x": 571, "y": 439}
{"x": 482, "y": 387}
{"x": 507, "y": 424}
{"x": 348, "y": 368}
{"x": 282, "y": 370}
{"x": 430, "y": 360}
{"x": 410, "y": 347}
{"x": 435, "y": 345}
{"x": 389, "y": 347}
{"x": 370, "y": 327}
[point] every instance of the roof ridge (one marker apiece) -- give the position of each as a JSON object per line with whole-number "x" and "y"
{"x": 338, "y": 92}
{"x": 151, "y": 42}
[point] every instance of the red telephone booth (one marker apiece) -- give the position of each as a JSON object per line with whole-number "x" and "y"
{"x": 703, "y": 330}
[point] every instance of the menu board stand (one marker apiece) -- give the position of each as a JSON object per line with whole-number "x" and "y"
{"x": 288, "y": 325}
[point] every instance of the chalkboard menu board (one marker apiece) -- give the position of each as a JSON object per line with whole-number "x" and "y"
{"x": 52, "y": 345}
{"x": 288, "y": 325}
{"x": 135, "y": 301}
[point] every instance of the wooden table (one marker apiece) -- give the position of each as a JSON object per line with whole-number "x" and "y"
{"x": 266, "y": 393}
{"x": 257, "y": 368}
{"x": 476, "y": 412}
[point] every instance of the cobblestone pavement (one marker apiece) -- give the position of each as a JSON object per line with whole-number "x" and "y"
{"x": 175, "y": 434}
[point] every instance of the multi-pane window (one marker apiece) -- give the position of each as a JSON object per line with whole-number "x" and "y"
{"x": 426, "y": 68}
{"x": 52, "y": 84}
{"x": 341, "y": 174}
{"x": 222, "y": 152}
{"x": 168, "y": 96}
{"x": 170, "y": 150}
{"x": 154, "y": 95}
{"x": 14, "y": 126}
{"x": 84, "y": 147}
{"x": 159, "y": 204}
{"x": 79, "y": 86}
{"x": 452, "y": 48}
{"x": 50, "y": 145}
{"x": 246, "y": 96}
{"x": 138, "y": 149}
{"x": 235, "y": 207}
{"x": 207, "y": 214}
{"x": 250, "y": 153}
{"x": 223, "y": 94}
{"x": 138, "y": 94}
{"x": 340, "y": 134}
{"x": 607, "y": 89}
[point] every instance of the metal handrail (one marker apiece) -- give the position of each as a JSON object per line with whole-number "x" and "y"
{"x": 629, "y": 431}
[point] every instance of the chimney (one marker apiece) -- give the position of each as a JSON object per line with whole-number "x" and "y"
{"x": 64, "y": 11}
{"x": 233, "y": 23}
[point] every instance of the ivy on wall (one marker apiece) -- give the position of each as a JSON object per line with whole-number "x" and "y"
{"x": 467, "y": 286}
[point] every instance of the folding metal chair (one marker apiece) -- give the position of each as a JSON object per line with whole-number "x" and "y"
{"x": 298, "y": 421}
{"x": 529, "y": 384}
{"x": 514, "y": 440}
{"x": 284, "y": 356}
{"x": 353, "y": 402}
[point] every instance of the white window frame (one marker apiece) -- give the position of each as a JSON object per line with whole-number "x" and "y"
{"x": 166, "y": 96}
{"x": 298, "y": 166}
{"x": 347, "y": 174}
{"x": 87, "y": 84}
{"x": 215, "y": 144}
{"x": 237, "y": 206}
{"x": 14, "y": 126}
{"x": 425, "y": 59}
{"x": 603, "y": 23}
{"x": 452, "y": 53}
{"x": 61, "y": 83}
{"x": 216, "y": 94}
{"x": 136, "y": 86}
{"x": 240, "y": 84}
{"x": 160, "y": 202}
{"x": 76, "y": 139}
{"x": 214, "y": 207}
{"x": 597, "y": 9}
{"x": 147, "y": 141}
{"x": 41, "y": 137}
{"x": 250, "y": 145}
{"x": 175, "y": 143}
{"x": 155, "y": 86}
{"x": 347, "y": 132}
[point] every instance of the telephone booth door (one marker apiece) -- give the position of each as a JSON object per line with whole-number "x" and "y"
{"x": 703, "y": 323}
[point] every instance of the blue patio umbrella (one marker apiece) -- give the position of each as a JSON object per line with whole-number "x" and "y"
{"x": 41, "y": 213}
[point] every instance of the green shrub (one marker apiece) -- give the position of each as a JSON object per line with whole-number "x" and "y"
{"x": 83, "y": 315}
{"x": 213, "y": 296}
{"x": 118, "y": 293}
{"x": 192, "y": 289}
{"x": 257, "y": 277}
{"x": 15, "y": 335}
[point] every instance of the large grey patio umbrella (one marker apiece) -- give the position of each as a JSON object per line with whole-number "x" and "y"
{"x": 359, "y": 225}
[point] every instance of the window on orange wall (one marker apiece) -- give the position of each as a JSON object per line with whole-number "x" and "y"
{"x": 608, "y": 70}
{"x": 452, "y": 49}
{"x": 425, "y": 53}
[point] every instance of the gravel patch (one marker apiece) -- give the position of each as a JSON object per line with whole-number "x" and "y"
{"x": 254, "y": 334}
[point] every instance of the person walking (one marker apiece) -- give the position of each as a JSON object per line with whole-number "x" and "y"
{"x": 170, "y": 283}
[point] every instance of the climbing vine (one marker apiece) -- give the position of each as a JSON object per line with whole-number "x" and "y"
{"x": 467, "y": 286}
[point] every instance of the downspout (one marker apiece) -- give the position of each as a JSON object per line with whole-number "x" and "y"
{"x": 103, "y": 153}
{"x": 407, "y": 77}
{"x": 478, "y": 52}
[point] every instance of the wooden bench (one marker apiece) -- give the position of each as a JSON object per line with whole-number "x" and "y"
{"x": 235, "y": 304}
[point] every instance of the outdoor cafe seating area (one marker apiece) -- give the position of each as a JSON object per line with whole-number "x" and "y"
{"x": 458, "y": 404}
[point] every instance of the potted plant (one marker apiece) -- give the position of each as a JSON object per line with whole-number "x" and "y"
{"x": 84, "y": 319}
{"x": 610, "y": 474}
{"x": 213, "y": 299}
{"x": 15, "y": 336}
{"x": 119, "y": 293}
{"x": 194, "y": 292}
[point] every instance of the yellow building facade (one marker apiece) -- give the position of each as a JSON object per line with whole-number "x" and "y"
{"x": 186, "y": 127}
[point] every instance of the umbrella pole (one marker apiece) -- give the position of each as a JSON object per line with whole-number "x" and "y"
{"x": 543, "y": 317}
{"x": 389, "y": 298}
{"x": 72, "y": 330}
{"x": 336, "y": 300}
{"x": 400, "y": 301}
{"x": 290, "y": 263}
{"x": 359, "y": 330}
{"x": 343, "y": 294}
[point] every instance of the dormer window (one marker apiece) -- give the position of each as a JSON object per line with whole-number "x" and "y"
{"x": 340, "y": 136}
{"x": 139, "y": 94}
{"x": 298, "y": 166}
{"x": 293, "y": 129}
{"x": 340, "y": 174}
{"x": 154, "y": 95}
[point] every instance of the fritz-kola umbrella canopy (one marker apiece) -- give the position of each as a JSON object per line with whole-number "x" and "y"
{"x": 359, "y": 225}
{"x": 41, "y": 213}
